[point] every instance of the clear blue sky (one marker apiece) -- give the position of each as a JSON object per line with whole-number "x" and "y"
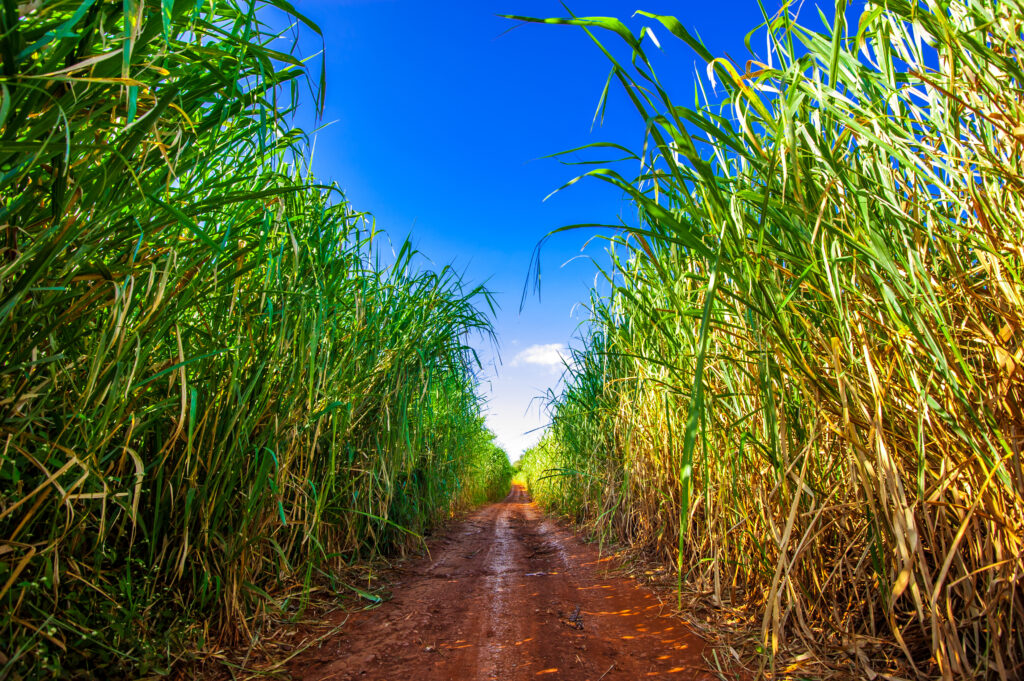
{"x": 439, "y": 117}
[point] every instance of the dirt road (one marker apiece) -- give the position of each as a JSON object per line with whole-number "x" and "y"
{"x": 507, "y": 594}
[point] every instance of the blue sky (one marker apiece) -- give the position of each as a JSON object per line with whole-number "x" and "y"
{"x": 437, "y": 121}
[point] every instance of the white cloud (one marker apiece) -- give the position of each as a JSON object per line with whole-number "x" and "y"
{"x": 516, "y": 432}
{"x": 516, "y": 392}
{"x": 551, "y": 355}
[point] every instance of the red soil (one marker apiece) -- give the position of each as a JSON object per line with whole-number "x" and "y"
{"x": 496, "y": 599}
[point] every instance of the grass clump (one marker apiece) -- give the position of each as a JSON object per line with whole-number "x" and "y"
{"x": 802, "y": 379}
{"x": 216, "y": 383}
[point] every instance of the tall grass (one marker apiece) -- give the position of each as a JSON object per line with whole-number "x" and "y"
{"x": 216, "y": 384}
{"x": 804, "y": 387}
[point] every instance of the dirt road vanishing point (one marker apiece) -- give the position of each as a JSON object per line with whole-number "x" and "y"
{"x": 507, "y": 594}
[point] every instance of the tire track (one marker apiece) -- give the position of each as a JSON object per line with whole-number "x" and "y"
{"x": 509, "y": 595}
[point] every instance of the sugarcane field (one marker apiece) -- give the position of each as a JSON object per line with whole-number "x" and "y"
{"x": 381, "y": 340}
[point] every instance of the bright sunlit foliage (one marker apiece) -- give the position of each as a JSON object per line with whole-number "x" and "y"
{"x": 217, "y": 384}
{"x": 804, "y": 386}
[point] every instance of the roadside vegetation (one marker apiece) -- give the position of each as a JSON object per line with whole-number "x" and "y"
{"x": 220, "y": 387}
{"x": 801, "y": 382}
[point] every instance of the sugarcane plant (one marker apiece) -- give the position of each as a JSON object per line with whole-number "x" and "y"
{"x": 801, "y": 383}
{"x": 218, "y": 381}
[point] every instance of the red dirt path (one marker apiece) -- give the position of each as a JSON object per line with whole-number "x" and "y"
{"x": 495, "y": 600}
